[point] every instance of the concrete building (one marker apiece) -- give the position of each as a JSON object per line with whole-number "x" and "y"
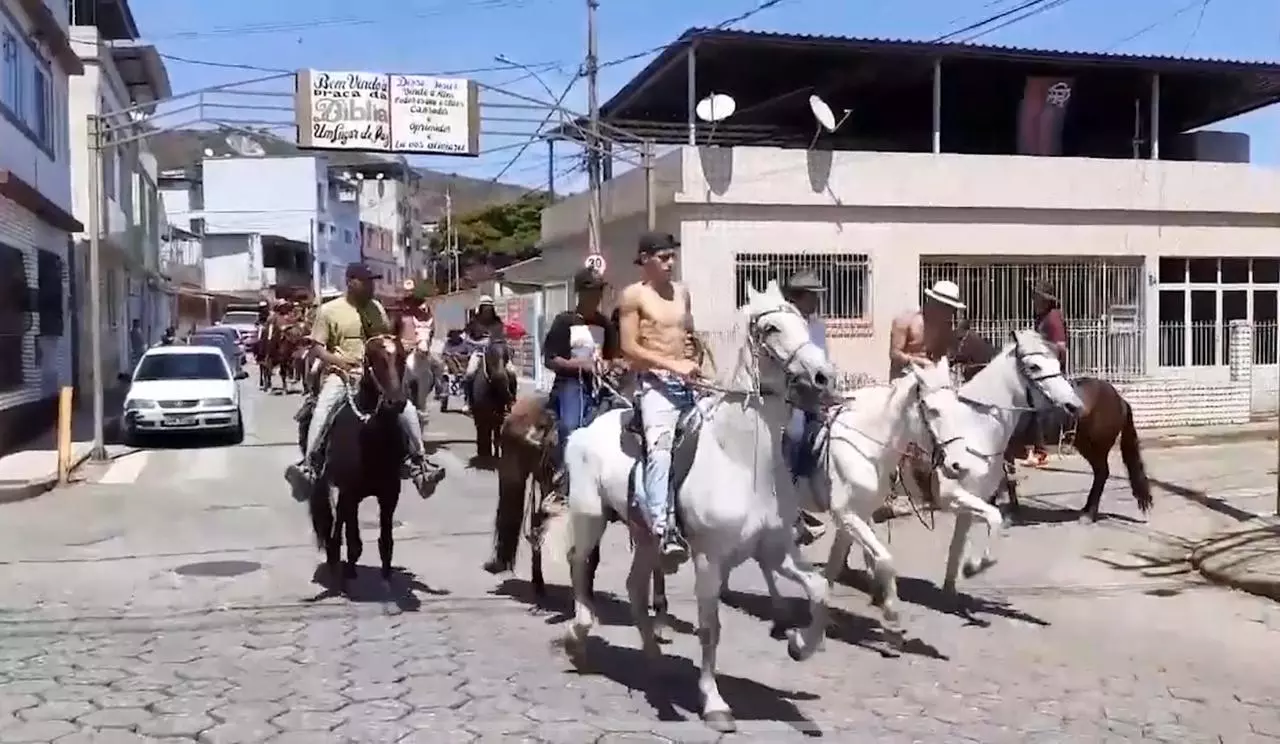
{"x": 122, "y": 81}
{"x": 391, "y": 238}
{"x": 987, "y": 166}
{"x": 253, "y": 265}
{"x": 36, "y": 215}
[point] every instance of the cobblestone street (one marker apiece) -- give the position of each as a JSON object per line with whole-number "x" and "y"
{"x": 172, "y": 601}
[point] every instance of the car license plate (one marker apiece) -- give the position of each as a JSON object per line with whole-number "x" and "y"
{"x": 180, "y": 420}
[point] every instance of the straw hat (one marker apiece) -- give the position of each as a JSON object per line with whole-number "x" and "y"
{"x": 945, "y": 292}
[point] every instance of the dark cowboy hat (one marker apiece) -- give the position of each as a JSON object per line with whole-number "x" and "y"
{"x": 654, "y": 242}
{"x": 804, "y": 281}
{"x": 1042, "y": 288}
{"x": 588, "y": 279}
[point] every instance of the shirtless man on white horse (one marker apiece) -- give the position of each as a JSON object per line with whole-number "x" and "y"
{"x": 655, "y": 321}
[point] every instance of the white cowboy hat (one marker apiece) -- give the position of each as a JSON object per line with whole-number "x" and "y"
{"x": 484, "y": 300}
{"x": 945, "y": 292}
{"x": 330, "y": 294}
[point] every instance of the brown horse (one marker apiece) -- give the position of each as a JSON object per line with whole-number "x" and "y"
{"x": 363, "y": 455}
{"x": 490, "y": 394}
{"x": 1107, "y": 417}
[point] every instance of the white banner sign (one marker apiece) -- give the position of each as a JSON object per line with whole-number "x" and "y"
{"x": 374, "y": 112}
{"x": 437, "y": 116}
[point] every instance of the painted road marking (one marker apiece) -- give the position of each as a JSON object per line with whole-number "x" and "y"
{"x": 126, "y": 468}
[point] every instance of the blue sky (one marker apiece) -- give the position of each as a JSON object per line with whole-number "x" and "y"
{"x": 445, "y": 35}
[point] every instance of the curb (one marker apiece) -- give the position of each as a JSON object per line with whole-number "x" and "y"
{"x": 1249, "y": 540}
{"x": 11, "y": 492}
{"x": 1168, "y": 441}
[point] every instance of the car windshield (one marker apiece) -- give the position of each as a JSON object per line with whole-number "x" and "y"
{"x": 181, "y": 367}
{"x": 240, "y": 317}
{"x": 209, "y": 339}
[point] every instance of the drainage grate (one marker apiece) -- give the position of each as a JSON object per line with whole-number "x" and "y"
{"x": 218, "y": 569}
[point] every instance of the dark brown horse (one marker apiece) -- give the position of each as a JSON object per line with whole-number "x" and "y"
{"x": 363, "y": 455}
{"x": 491, "y": 393}
{"x": 1107, "y": 417}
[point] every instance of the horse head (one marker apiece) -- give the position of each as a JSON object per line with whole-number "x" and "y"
{"x": 969, "y": 351}
{"x": 497, "y": 355}
{"x": 942, "y": 414}
{"x": 383, "y": 383}
{"x": 1041, "y": 371}
{"x": 785, "y": 355}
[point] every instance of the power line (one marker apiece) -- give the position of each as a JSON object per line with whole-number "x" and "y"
{"x": 540, "y": 67}
{"x": 340, "y": 22}
{"x": 1021, "y": 12}
{"x": 1177, "y": 13}
{"x": 763, "y": 6}
{"x": 555, "y": 108}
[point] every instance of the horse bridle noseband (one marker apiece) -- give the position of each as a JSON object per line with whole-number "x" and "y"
{"x": 756, "y": 335}
{"x": 367, "y": 372}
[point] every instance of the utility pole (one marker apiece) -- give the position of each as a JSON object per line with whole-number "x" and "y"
{"x": 651, "y": 210}
{"x": 448, "y": 238}
{"x": 593, "y": 140}
{"x": 96, "y": 140}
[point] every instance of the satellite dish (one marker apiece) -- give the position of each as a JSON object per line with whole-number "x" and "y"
{"x": 208, "y": 152}
{"x": 245, "y": 145}
{"x": 822, "y": 112}
{"x": 716, "y": 108}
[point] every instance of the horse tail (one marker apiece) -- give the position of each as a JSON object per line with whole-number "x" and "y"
{"x": 509, "y": 515}
{"x": 1131, "y": 454}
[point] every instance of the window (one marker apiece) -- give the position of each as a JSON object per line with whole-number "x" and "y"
{"x": 346, "y": 236}
{"x": 846, "y": 276}
{"x": 49, "y": 293}
{"x": 26, "y": 92}
{"x": 197, "y": 226}
{"x": 14, "y": 318}
{"x": 190, "y": 366}
{"x": 11, "y": 68}
{"x": 1198, "y": 299}
{"x": 41, "y": 108}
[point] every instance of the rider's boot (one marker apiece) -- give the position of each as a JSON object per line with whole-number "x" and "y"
{"x": 424, "y": 474}
{"x": 673, "y": 551}
{"x": 301, "y": 476}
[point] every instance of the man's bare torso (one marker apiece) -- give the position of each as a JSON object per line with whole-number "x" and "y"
{"x": 663, "y": 320}
{"x": 921, "y": 340}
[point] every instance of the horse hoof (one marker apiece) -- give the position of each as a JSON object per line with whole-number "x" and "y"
{"x": 779, "y": 631}
{"x": 720, "y": 721}
{"x": 661, "y": 632}
{"x": 973, "y": 569}
{"x": 795, "y": 646}
{"x": 495, "y": 566}
{"x": 892, "y": 617}
{"x": 575, "y": 649}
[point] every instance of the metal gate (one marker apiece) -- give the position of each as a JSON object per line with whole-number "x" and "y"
{"x": 1101, "y": 300}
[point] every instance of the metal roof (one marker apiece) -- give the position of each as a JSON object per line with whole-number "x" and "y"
{"x": 937, "y": 49}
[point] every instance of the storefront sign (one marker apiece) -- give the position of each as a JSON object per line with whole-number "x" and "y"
{"x": 374, "y": 112}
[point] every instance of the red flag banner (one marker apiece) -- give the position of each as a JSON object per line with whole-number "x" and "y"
{"x": 1042, "y": 115}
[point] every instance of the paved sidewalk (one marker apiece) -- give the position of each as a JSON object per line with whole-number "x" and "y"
{"x": 32, "y": 469}
{"x": 1245, "y": 557}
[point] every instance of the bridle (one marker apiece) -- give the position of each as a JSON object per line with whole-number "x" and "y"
{"x": 757, "y": 334}
{"x": 368, "y": 377}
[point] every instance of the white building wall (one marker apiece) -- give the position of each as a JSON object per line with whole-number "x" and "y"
{"x": 271, "y": 196}
{"x": 46, "y": 360}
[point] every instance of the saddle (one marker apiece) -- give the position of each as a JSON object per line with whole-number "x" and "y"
{"x": 683, "y": 449}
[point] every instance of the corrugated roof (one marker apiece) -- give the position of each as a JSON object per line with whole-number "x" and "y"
{"x": 960, "y": 48}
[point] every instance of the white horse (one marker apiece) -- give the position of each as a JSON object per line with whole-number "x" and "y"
{"x": 735, "y": 501}
{"x": 1026, "y": 375}
{"x": 859, "y": 449}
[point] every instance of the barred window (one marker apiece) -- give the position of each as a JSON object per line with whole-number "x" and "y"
{"x": 49, "y": 293}
{"x": 846, "y": 276}
{"x": 14, "y": 318}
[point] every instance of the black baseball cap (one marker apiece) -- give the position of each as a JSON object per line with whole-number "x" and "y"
{"x": 655, "y": 242}
{"x": 588, "y": 279}
{"x": 360, "y": 271}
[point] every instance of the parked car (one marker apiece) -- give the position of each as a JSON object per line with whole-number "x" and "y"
{"x": 228, "y": 347}
{"x": 183, "y": 389}
{"x": 244, "y": 322}
{"x": 234, "y": 335}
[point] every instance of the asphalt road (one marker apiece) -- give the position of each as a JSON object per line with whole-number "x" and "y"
{"x": 170, "y": 598}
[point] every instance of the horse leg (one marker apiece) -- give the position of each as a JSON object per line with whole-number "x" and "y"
{"x": 585, "y": 531}
{"x": 593, "y": 565}
{"x": 851, "y": 528}
{"x": 956, "y": 551}
{"x": 350, "y": 508}
{"x": 386, "y": 524}
{"x": 963, "y": 501}
{"x": 782, "y": 621}
{"x": 643, "y": 562}
{"x": 535, "y": 556}
{"x": 708, "y": 581}
{"x": 1101, "y": 472}
{"x": 790, "y": 564}
{"x": 661, "y": 611}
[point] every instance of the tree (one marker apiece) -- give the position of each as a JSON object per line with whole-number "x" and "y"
{"x": 509, "y": 228}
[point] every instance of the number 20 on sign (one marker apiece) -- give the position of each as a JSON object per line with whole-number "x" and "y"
{"x": 595, "y": 262}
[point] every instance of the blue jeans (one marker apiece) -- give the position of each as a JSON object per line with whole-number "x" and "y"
{"x": 572, "y": 403}
{"x": 798, "y": 443}
{"x": 662, "y": 401}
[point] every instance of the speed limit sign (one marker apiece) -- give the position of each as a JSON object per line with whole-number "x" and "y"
{"x": 595, "y": 262}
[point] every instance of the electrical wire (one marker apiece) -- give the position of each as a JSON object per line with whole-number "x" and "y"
{"x": 1181, "y": 11}
{"x": 340, "y": 22}
{"x": 763, "y": 6}
{"x": 539, "y": 67}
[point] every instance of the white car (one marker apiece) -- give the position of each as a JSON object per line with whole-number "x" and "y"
{"x": 183, "y": 389}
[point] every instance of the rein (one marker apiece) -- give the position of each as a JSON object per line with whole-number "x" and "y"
{"x": 352, "y": 386}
